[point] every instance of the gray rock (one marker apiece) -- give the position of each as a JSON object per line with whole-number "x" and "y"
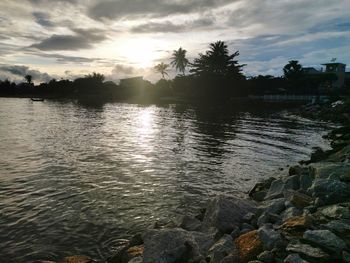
{"x": 292, "y": 182}
{"x": 325, "y": 239}
{"x": 225, "y": 213}
{"x": 346, "y": 256}
{"x": 136, "y": 260}
{"x": 305, "y": 181}
{"x": 221, "y": 249}
{"x": 276, "y": 190}
{"x": 235, "y": 232}
{"x": 263, "y": 219}
{"x": 266, "y": 257}
{"x": 334, "y": 171}
{"x": 290, "y": 212}
{"x": 307, "y": 251}
{"x": 258, "y": 192}
{"x": 330, "y": 191}
{"x": 341, "y": 227}
{"x": 334, "y": 212}
{"x": 247, "y": 226}
{"x": 170, "y": 245}
{"x": 274, "y": 206}
{"x": 234, "y": 257}
{"x": 244, "y": 231}
{"x": 294, "y": 258}
{"x": 269, "y": 237}
{"x": 190, "y": 223}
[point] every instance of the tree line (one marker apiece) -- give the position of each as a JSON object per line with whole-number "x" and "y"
{"x": 213, "y": 75}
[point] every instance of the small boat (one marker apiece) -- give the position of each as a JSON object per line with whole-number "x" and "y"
{"x": 37, "y": 99}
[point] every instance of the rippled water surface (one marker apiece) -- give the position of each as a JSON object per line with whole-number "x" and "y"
{"x": 74, "y": 178}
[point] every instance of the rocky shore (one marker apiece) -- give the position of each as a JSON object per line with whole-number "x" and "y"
{"x": 302, "y": 216}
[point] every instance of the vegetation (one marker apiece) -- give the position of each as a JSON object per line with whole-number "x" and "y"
{"x": 215, "y": 75}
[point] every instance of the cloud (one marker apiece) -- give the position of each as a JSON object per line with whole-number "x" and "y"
{"x": 83, "y": 39}
{"x": 42, "y": 19}
{"x": 167, "y": 26}
{"x": 17, "y": 73}
{"x": 150, "y": 8}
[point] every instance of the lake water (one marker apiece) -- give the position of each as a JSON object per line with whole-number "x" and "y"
{"x": 74, "y": 178}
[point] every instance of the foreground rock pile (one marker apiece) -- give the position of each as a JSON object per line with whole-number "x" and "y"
{"x": 301, "y": 217}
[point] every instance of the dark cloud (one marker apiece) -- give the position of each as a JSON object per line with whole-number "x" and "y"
{"x": 42, "y": 19}
{"x": 17, "y": 73}
{"x": 167, "y": 26}
{"x": 83, "y": 39}
{"x": 151, "y": 8}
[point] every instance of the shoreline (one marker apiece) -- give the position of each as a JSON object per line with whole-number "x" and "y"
{"x": 301, "y": 216}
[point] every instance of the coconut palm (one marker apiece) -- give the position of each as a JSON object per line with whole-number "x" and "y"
{"x": 162, "y": 68}
{"x": 28, "y": 78}
{"x": 179, "y": 60}
{"x": 293, "y": 70}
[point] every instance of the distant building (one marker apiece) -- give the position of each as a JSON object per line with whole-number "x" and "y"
{"x": 338, "y": 69}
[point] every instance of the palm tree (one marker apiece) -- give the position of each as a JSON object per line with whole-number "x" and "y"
{"x": 293, "y": 70}
{"x": 162, "y": 68}
{"x": 179, "y": 60}
{"x": 28, "y": 78}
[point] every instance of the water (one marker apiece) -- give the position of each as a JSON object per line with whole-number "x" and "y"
{"x": 75, "y": 178}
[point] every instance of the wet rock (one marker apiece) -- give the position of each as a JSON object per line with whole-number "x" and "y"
{"x": 136, "y": 260}
{"x": 269, "y": 237}
{"x": 326, "y": 240}
{"x": 234, "y": 257}
{"x": 297, "y": 169}
{"x": 341, "y": 227}
{"x": 221, "y": 249}
{"x": 190, "y": 223}
{"x": 334, "y": 212}
{"x": 330, "y": 191}
{"x": 174, "y": 245}
{"x": 258, "y": 192}
{"x": 294, "y": 258}
{"x": 276, "y": 189}
{"x": 249, "y": 246}
{"x": 263, "y": 219}
{"x": 334, "y": 171}
{"x": 274, "y": 206}
{"x": 77, "y": 259}
{"x": 133, "y": 252}
{"x": 225, "y": 213}
{"x": 235, "y": 232}
{"x": 120, "y": 253}
{"x": 346, "y": 256}
{"x": 266, "y": 257}
{"x": 136, "y": 240}
{"x": 305, "y": 181}
{"x": 308, "y": 251}
{"x": 290, "y": 212}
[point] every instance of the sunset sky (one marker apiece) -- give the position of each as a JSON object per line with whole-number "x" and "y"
{"x": 121, "y": 38}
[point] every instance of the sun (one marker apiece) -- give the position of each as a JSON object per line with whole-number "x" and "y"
{"x": 141, "y": 52}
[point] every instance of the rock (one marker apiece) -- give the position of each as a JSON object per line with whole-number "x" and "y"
{"x": 258, "y": 192}
{"x": 274, "y": 206}
{"x": 297, "y": 169}
{"x": 330, "y": 191}
{"x": 346, "y": 256}
{"x": 296, "y": 225}
{"x": 133, "y": 252}
{"x": 225, "y": 213}
{"x": 341, "y": 155}
{"x": 263, "y": 219}
{"x": 334, "y": 171}
{"x": 266, "y": 257}
{"x": 269, "y": 237}
{"x": 308, "y": 251}
{"x": 174, "y": 245}
{"x": 190, "y": 223}
{"x": 249, "y": 246}
{"x": 77, "y": 259}
{"x": 136, "y": 240}
{"x": 290, "y": 212}
{"x": 276, "y": 190}
{"x": 326, "y": 240}
{"x": 305, "y": 181}
{"x": 294, "y": 258}
{"x": 234, "y": 257}
{"x": 119, "y": 253}
{"x": 235, "y": 232}
{"x": 299, "y": 200}
{"x": 292, "y": 182}
{"x": 341, "y": 227}
{"x": 334, "y": 212}
{"x": 136, "y": 260}
{"x": 221, "y": 249}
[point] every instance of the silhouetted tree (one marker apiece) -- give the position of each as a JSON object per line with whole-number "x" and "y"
{"x": 28, "y": 78}
{"x": 217, "y": 61}
{"x": 179, "y": 60}
{"x": 162, "y": 68}
{"x": 293, "y": 70}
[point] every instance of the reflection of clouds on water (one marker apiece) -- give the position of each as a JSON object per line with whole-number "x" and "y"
{"x": 79, "y": 177}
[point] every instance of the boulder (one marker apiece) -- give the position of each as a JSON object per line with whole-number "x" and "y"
{"x": 190, "y": 223}
{"x": 330, "y": 191}
{"x": 136, "y": 260}
{"x": 249, "y": 246}
{"x": 305, "y": 181}
{"x": 290, "y": 212}
{"x": 221, "y": 249}
{"x": 296, "y": 224}
{"x": 298, "y": 200}
{"x": 336, "y": 211}
{"x": 346, "y": 257}
{"x": 326, "y": 240}
{"x": 278, "y": 187}
{"x": 174, "y": 245}
{"x": 133, "y": 252}
{"x": 266, "y": 257}
{"x": 294, "y": 258}
{"x": 341, "y": 227}
{"x": 258, "y": 192}
{"x": 269, "y": 237}
{"x": 308, "y": 251}
{"x": 274, "y": 206}
{"x": 77, "y": 259}
{"x": 225, "y": 213}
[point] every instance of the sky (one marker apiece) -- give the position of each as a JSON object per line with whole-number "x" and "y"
{"x": 124, "y": 38}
